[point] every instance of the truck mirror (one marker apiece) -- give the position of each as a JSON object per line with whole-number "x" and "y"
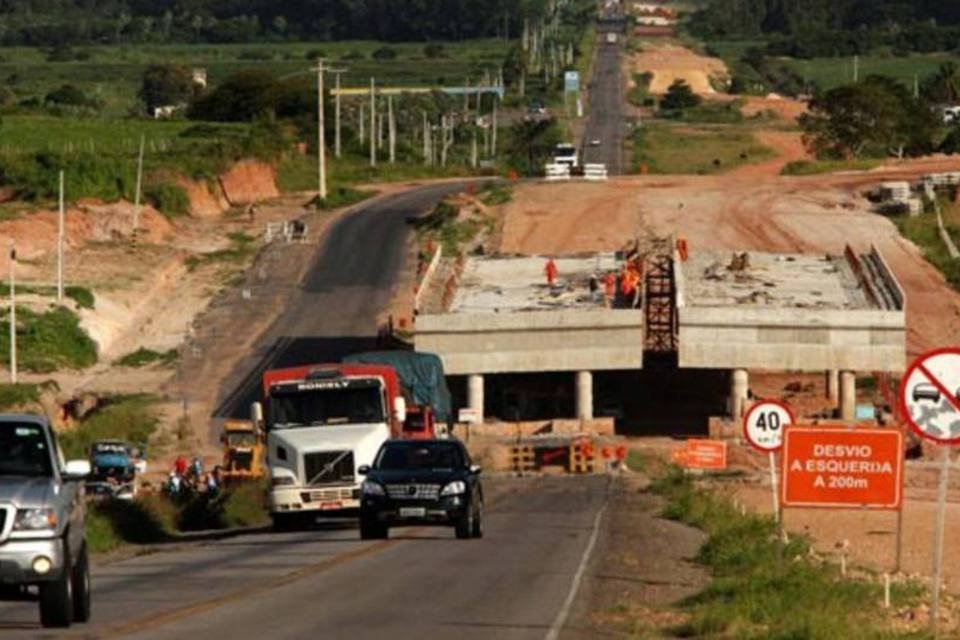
{"x": 363, "y": 469}
{"x": 400, "y": 409}
{"x": 256, "y": 414}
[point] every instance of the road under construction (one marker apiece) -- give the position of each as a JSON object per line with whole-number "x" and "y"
{"x": 704, "y": 320}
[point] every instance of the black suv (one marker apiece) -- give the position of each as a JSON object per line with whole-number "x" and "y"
{"x": 421, "y": 482}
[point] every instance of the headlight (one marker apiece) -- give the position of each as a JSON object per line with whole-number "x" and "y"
{"x": 282, "y": 481}
{"x": 35, "y": 520}
{"x": 454, "y": 488}
{"x": 370, "y": 488}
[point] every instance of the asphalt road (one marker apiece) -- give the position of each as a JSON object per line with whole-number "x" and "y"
{"x": 605, "y": 121}
{"x": 421, "y": 583}
{"x": 334, "y": 311}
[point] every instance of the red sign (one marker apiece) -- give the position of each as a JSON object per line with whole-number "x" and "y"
{"x": 841, "y": 467}
{"x": 930, "y": 395}
{"x": 709, "y": 455}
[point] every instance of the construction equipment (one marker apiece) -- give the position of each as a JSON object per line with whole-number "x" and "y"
{"x": 242, "y": 452}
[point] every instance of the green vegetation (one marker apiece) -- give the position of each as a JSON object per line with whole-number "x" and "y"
{"x": 156, "y": 519}
{"x": 143, "y": 357}
{"x": 827, "y": 73}
{"x": 170, "y": 199}
{"x": 814, "y": 167}
{"x": 342, "y": 197}
{"x": 765, "y": 588}
{"x": 241, "y": 248}
{"x": 132, "y": 419}
{"x": 445, "y": 227}
{"x": 923, "y": 231}
{"x": 702, "y": 150}
{"x": 494, "y": 194}
{"x": 80, "y": 295}
{"x": 639, "y": 93}
{"x": 47, "y": 341}
{"x": 21, "y": 395}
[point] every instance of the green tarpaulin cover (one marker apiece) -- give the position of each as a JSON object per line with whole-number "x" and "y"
{"x": 421, "y": 375}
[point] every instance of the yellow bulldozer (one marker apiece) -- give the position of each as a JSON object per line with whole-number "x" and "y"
{"x": 243, "y": 450}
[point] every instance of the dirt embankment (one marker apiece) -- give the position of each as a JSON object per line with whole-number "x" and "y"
{"x": 249, "y": 181}
{"x": 668, "y": 62}
{"x": 806, "y": 215}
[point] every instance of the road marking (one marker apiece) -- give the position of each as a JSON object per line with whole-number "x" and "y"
{"x": 564, "y": 612}
{"x": 162, "y": 618}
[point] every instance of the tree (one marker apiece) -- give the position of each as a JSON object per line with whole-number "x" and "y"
{"x": 240, "y": 98}
{"x": 943, "y": 87}
{"x": 385, "y": 53}
{"x": 876, "y": 117}
{"x": 531, "y": 145}
{"x": 165, "y": 84}
{"x": 679, "y": 96}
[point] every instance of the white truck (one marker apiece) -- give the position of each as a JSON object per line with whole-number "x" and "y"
{"x": 611, "y": 38}
{"x": 566, "y": 154}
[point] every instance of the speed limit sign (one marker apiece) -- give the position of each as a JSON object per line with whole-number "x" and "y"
{"x": 764, "y": 424}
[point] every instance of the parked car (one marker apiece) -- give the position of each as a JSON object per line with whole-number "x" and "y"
{"x": 42, "y": 522}
{"x": 421, "y": 482}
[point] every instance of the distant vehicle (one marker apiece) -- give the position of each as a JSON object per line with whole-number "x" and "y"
{"x": 566, "y": 153}
{"x": 243, "y": 452}
{"x": 595, "y": 142}
{"x": 611, "y": 38}
{"x": 421, "y": 482}
{"x": 537, "y": 109}
{"x": 42, "y": 522}
{"x": 112, "y": 459}
{"x": 951, "y": 115}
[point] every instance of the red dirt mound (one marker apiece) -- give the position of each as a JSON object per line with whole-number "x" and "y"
{"x": 204, "y": 201}
{"x": 249, "y": 181}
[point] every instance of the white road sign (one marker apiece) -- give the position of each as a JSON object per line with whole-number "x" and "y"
{"x": 764, "y": 423}
{"x": 930, "y": 395}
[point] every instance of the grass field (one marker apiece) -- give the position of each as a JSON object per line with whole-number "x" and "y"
{"x": 671, "y": 149}
{"x": 113, "y": 73}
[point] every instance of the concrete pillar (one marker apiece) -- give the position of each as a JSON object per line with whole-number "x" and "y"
{"x": 475, "y": 395}
{"x": 833, "y": 384}
{"x": 739, "y": 383}
{"x": 848, "y": 395}
{"x": 584, "y": 395}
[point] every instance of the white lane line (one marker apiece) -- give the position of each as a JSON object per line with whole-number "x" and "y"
{"x": 564, "y": 613}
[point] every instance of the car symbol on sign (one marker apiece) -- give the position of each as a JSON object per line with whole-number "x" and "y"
{"x": 924, "y": 391}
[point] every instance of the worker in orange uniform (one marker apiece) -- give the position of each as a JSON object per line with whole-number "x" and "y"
{"x": 630, "y": 286}
{"x": 609, "y": 289}
{"x": 551, "y": 270}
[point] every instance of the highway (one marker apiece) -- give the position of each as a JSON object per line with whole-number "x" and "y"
{"x": 421, "y": 583}
{"x": 605, "y": 121}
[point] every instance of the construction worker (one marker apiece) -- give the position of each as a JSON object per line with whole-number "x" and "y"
{"x": 551, "y": 270}
{"x": 609, "y": 289}
{"x": 630, "y": 285}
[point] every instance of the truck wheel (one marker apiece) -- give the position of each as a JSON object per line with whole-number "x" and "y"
{"x": 56, "y": 597}
{"x": 81, "y": 587}
{"x": 477, "y": 531}
{"x": 372, "y": 530}
{"x": 464, "y": 525}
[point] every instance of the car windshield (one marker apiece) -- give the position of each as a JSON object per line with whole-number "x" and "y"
{"x": 24, "y": 451}
{"x": 110, "y": 449}
{"x": 419, "y": 456}
{"x": 326, "y": 406}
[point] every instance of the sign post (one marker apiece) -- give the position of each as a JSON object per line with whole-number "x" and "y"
{"x": 929, "y": 399}
{"x": 763, "y": 427}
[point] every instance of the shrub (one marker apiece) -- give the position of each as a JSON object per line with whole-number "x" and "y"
{"x": 434, "y": 50}
{"x": 385, "y": 53}
{"x": 170, "y": 199}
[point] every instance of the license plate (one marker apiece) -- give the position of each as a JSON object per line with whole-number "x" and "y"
{"x": 413, "y": 512}
{"x": 330, "y": 505}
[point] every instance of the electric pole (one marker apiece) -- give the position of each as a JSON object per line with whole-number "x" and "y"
{"x": 13, "y": 314}
{"x": 392, "y": 130}
{"x": 136, "y": 197}
{"x": 336, "y": 142}
{"x": 373, "y": 123}
{"x": 60, "y": 234}
{"x": 321, "y": 135}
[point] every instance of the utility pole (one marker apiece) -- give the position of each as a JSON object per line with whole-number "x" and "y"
{"x": 493, "y": 134}
{"x": 426, "y": 139}
{"x": 136, "y": 197}
{"x": 392, "y": 128}
{"x": 321, "y": 135}
{"x": 60, "y": 234}
{"x": 336, "y": 142}
{"x": 363, "y": 121}
{"x": 373, "y": 123}
{"x": 856, "y": 69}
{"x": 13, "y": 314}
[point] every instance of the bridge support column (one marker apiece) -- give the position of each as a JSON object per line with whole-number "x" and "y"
{"x": 833, "y": 384}
{"x": 739, "y": 384}
{"x": 848, "y": 395}
{"x": 584, "y": 395}
{"x": 475, "y": 395}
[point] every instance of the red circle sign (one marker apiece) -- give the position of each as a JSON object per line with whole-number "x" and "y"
{"x": 930, "y": 395}
{"x": 764, "y": 423}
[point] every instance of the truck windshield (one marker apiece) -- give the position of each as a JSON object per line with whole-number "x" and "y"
{"x": 241, "y": 439}
{"x": 326, "y": 406}
{"x": 397, "y": 456}
{"x": 24, "y": 451}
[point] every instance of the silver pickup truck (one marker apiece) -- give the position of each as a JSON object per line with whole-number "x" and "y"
{"x": 43, "y": 551}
